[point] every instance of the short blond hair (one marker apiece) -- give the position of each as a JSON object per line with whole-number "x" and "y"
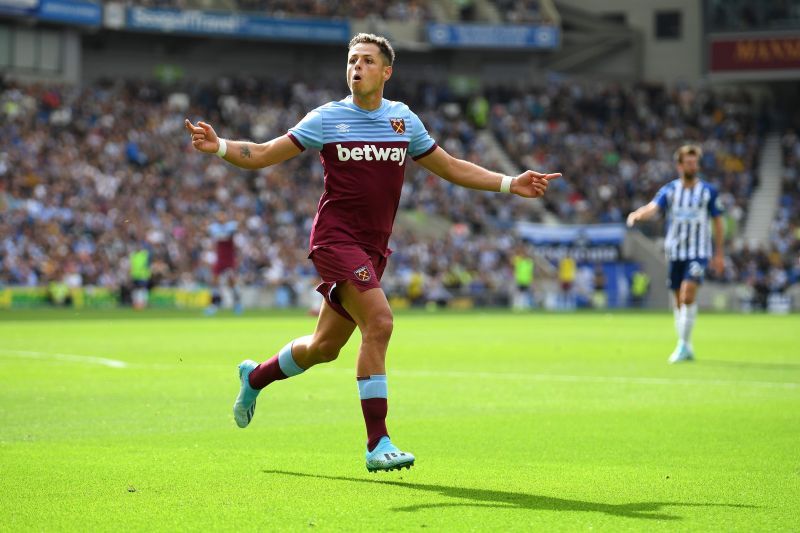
{"x": 381, "y": 42}
{"x": 688, "y": 149}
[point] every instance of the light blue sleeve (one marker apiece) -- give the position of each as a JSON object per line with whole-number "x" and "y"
{"x": 421, "y": 142}
{"x": 308, "y": 131}
{"x": 214, "y": 229}
{"x": 661, "y": 197}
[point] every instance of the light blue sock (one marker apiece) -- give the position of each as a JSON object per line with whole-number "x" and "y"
{"x": 373, "y": 387}
{"x": 287, "y": 362}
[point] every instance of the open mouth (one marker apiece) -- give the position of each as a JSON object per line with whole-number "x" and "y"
{"x": 356, "y": 78}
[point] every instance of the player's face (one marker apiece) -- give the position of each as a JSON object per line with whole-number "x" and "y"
{"x": 366, "y": 71}
{"x": 689, "y": 166}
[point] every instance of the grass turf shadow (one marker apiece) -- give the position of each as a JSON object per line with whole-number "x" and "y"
{"x": 521, "y": 500}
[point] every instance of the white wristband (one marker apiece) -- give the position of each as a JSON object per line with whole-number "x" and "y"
{"x": 223, "y": 148}
{"x": 505, "y": 185}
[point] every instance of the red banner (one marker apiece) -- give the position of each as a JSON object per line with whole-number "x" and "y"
{"x": 755, "y": 54}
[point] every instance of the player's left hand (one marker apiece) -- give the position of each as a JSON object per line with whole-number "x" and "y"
{"x": 204, "y": 138}
{"x": 532, "y": 184}
{"x": 718, "y": 264}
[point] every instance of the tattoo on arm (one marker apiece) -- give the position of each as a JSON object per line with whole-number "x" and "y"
{"x": 246, "y": 152}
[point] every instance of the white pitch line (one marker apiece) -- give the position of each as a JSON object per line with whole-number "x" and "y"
{"x": 72, "y": 358}
{"x": 590, "y": 379}
{"x": 558, "y": 378}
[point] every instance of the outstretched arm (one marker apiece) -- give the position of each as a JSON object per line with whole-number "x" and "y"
{"x": 643, "y": 213}
{"x": 529, "y": 184}
{"x": 243, "y": 154}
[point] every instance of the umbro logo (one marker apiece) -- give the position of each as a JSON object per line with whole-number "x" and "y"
{"x": 343, "y": 128}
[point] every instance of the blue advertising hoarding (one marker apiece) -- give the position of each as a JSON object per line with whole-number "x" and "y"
{"x": 494, "y": 36}
{"x": 589, "y": 234}
{"x": 70, "y": 12}
{"x": 583, "y": 242}
{"x": 236, "y": 25}
{"x": 18, "y": 7}
{"x": 78, "y": 12}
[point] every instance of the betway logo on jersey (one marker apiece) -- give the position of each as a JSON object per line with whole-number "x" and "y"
{"x": 370, "y": 152}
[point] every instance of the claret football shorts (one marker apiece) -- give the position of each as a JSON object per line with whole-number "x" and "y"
{"x": 337, "y": 264}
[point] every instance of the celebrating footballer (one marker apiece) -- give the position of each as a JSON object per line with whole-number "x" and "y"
{"x": 365, "y": 142}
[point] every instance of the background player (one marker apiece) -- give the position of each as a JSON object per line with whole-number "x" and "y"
{"x": 364, "y": 143}
{"x": 222, "y": 231}
{"x": 141, "y": 274}
{"x": 690, "y": 205}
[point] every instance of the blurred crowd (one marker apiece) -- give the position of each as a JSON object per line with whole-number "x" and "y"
{"x": 511, "y": 11}
{"x": 521, "y": 11}
{"x": 89, "y": 175}
{"x": 399, "y": 10}
{"x": 773, "y": 268}
{"x": 616, "y": 142}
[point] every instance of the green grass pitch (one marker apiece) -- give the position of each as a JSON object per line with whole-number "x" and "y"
{"x": 559, "y": 422}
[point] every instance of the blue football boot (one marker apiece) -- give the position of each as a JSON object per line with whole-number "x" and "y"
{"x": 682, "y": 354}
{"x": 387, "y": 457}
{"x": 245, "y": 405}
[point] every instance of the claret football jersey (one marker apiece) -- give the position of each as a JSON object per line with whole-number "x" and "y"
{"x": 364, "y": 155}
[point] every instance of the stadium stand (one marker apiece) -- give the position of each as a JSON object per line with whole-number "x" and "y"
{"x": 520, "y": 11}
{"x": 774, "y": 267}
{"x": 396, "y": 10}
{"x": 81, "y": 212}
{"x": 786, "y": 228}
{"x": 616, "y": 142}
{"x": 743, "y": 15}
{"x": 400, "y": 10}
{"x": 129, "y": 177}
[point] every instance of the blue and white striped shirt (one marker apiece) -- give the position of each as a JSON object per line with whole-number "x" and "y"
{"x": 689, "y": 212}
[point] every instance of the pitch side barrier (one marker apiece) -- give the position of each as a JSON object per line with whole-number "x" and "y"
{"x": 228, "y": 24}
{"x": 69, "y": 12}
{"x": 514, "y": 36}
{"x": 546, "y": 292}
{"x": 98, "y": 297}
{"x": 596, "y": 243}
